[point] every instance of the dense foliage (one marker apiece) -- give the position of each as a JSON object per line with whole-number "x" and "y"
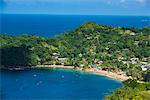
{"x": 131, "y": 91}
{"x": 89, "y": 43}
{"x": 112, "y": 48}
{"x": 24, "y": 50}
{"x": 10, "y": 54}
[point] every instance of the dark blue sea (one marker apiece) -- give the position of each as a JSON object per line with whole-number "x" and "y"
{"x": 54, "y": 84}
{"x": 51, "y": 25}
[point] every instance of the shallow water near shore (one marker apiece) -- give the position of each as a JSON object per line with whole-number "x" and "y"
{"x": 54, "y": 84}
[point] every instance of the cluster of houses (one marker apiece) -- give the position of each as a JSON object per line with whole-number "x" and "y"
{"x": 144, "y": 64}
{"x": 61, "y": 60}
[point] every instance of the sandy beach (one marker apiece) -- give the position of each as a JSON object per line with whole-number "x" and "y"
{"x": 114, "y": 75}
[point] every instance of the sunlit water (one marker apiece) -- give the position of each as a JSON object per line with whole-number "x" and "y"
{"x": 55, "y": 84}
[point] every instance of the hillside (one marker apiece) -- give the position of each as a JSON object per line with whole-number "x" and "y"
{"x": 88, "y": 43}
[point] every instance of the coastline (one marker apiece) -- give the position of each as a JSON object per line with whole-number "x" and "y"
{"x": 120, "y": 76}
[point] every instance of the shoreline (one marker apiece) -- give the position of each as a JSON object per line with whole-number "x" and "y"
{"x": 120, "y": 76}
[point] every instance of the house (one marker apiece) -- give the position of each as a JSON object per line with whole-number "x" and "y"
{"x": 99, "y": 68}
{"x": 93, "y": 65}
{"x": 55, "y": 54}
{"x": 62, "y": 59}
{"x": 98, "y": 61}
{"x": 126, "y": 62}
{"x": 81, "y": 65}
{"x": 120, "y": 58}
{"x": 145, "y": 59}
{"x": 144, "y": 63}
{"x": 107, "y": 48}
{"x": 145, "y": 67}
{"x": 134, "y": 60}
{"x": 132, "y": 33}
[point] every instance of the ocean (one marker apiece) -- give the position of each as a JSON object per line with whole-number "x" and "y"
{"x": 51, "y": 25}
{"x": 54, "y": 84}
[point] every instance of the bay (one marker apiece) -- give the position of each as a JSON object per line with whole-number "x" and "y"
{"x": 52, "y": 84}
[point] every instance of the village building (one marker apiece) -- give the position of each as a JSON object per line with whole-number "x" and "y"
{"x": 62, "y": 60}
{"x": 55, "y": 54}
{"x": 145, "y": 67}
{"x": 134, "y": 60}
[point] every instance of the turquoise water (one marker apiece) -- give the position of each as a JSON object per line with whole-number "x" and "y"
{"x": 51, "y": 25}
{"x": 49, "y": 84}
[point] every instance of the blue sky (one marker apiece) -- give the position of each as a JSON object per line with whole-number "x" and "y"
{"x": 82, "y": 7}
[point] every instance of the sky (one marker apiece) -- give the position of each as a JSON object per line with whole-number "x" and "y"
{"x": 76, "y": 7}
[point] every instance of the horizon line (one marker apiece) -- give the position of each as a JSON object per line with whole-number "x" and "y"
{"x": 74, "y": 14}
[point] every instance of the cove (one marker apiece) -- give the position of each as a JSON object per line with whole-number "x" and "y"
{"x": 55, "y": 84}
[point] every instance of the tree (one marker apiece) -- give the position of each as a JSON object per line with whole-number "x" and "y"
{"x": 18, "y": 56}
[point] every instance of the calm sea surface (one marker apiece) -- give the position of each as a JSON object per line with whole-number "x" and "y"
{"x": 51, "y": 25}
{"x": 54, "y": 84}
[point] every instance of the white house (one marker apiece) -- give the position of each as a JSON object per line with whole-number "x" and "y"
{"x": 145, "y": 67}
{"x": 56, "y": 54}
{"x": 62, "y": 59}
{"x": 134, "y": 60}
